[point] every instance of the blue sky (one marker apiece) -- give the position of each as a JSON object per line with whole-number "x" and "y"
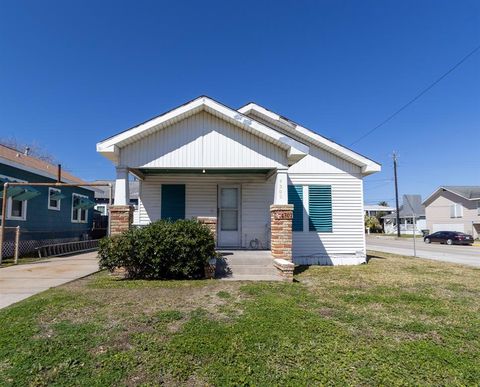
{"x": 73, "y": 73}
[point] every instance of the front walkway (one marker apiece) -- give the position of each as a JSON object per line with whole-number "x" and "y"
{"x": 247, "y": 265}
{"x": 22, "y": 281}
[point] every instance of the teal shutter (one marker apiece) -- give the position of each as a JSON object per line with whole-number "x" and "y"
{"x": 295, "y": 196}
{"x": 320, "y": 208}
{"x": 173, "y": 201}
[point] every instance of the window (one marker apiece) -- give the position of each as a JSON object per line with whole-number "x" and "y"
{"x": 102, "y": 208}
{"x": 320, "y": 208}
{"x": 79, "y": 215}
{"x": 456, "y": 210}
{"x": 295, "y": 197}
{"x": 173, "y": 201}
{"x": 54, "y": 198}
{"x": 16, "y": 209}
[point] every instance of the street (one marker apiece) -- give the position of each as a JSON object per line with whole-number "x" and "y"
{"x": 465, "y": 255}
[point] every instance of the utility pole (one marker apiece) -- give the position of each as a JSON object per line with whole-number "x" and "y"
{"x": 396, "y": 192}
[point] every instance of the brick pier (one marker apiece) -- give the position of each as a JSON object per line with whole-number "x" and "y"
{"x": 281, "y": 225}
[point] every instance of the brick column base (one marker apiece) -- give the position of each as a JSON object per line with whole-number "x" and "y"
{"x": 281, "y": 216}
{"x": 121, "y": 218}
{"x": 211, "y": 223}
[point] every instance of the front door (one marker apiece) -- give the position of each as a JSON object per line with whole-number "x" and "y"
{"x": 229, "y": 216}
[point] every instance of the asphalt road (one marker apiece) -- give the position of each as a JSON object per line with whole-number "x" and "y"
{"x": 465, "y": 255}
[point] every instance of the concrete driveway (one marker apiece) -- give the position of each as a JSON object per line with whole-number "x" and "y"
{"x": 464, "y": 255}
{"x": 22, "y": 281}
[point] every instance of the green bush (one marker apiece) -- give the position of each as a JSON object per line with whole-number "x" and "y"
{"x": 161, "y": 250}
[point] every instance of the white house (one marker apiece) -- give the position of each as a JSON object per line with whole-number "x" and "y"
{"x": 258, "y": 179}
{"x": 412, "y": 217}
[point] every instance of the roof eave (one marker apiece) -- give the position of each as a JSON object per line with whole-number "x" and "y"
{"x": 110, "y": 147}
{"x": 368, "y": 166}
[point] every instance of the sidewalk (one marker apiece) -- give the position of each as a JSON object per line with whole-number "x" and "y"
{"x": 22, "y": 281}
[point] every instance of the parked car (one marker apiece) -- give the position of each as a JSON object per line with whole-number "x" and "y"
{"x": 449, "y": 237}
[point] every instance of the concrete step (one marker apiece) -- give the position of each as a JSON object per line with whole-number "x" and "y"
{"x": 250, "y": 277}
{"x": 253, "y": 269}
{"x": 249, "y": 261}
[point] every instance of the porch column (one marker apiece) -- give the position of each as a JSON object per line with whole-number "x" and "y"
{"x": 121, "y": 213}
{"x": 281, "y": 215}
{"x": 122, "y": 195}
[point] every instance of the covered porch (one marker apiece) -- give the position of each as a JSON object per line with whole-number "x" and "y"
{"x": 246, "y": 208}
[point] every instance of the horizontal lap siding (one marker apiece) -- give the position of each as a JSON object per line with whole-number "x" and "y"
{"x": 202, "y": 141}
{"x": 201, "y": 200}
{"x": 347, "y": 236}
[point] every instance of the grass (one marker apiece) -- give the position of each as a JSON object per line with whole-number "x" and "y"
{"x": 396, "y": 321}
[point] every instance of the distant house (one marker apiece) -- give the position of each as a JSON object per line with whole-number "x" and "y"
{"x": 410, "y": 210}
{"x": 376, "y": 210}
{"x": 102, "y": 197}
{"x": 454, "y": 208}
{"x": 45, "y": 214}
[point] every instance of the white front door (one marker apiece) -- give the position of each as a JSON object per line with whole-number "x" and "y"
{"x": 229, "y": 216}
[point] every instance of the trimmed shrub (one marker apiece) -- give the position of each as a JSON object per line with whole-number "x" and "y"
{"x": 161, "y": 250}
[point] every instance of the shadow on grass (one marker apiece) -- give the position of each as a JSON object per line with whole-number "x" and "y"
{"x": 373, "y": 256}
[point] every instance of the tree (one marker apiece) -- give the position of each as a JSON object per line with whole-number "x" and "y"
{"x": 383, "y": 203}
{"x": 371, "y": 223}
{"x": 33, "y": 149}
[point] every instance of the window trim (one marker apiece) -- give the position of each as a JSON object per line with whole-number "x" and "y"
{"x": 78, "y": 210}
{"x": 8, "y": 215}
{"x": 56, "y": 190}
{"x": 453, "y": 209}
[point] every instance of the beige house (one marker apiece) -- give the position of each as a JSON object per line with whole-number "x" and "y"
{"x": 454, "y": 208}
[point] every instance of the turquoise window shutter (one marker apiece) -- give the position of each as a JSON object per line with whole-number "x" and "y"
{"x": 295, "y": 197}
{"x": 173, "y": 201}
{"x": 320, "y": 208}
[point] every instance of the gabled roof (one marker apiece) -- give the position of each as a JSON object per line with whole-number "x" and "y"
{"x": 411, "y": 204}
{"x": 469, "y": 192}
{"x": 110, "y": 146}
{"x": 17, "y": 159}
{"x": 368, "y": 166}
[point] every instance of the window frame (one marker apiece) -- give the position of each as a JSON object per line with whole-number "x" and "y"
{"x": 457, "y": 210}
{"x": 59, "y": 201}
{"x": 8, "y": 215}
{"x": 78, "y": 210}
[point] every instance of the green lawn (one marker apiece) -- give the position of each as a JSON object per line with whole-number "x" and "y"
{"x": 395, "y": 321}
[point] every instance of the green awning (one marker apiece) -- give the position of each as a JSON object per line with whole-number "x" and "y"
{"x": 11, "y": 191}
{"x": 26, "y": 194}
{"x": 57, "y": 196}
{"x": 84, "y": 204}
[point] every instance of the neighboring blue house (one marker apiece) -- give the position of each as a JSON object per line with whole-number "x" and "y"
{"x": 45, "y": 214}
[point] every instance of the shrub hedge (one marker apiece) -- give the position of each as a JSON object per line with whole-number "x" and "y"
{"x": 161, "y": 250}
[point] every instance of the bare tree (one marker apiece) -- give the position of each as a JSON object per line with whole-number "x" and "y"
{"x": 34, "y": 149}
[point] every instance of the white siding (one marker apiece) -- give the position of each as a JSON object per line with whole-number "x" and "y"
{"x": 321, "y": 161}
{"x": 201, "y": 200}
{"x": 346, "y": 244}
{"x": 348, "y": 236}
{"x": 202, "y": 141}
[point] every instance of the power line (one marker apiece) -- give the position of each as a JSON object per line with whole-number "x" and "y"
{"x": 418, "y": 95}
